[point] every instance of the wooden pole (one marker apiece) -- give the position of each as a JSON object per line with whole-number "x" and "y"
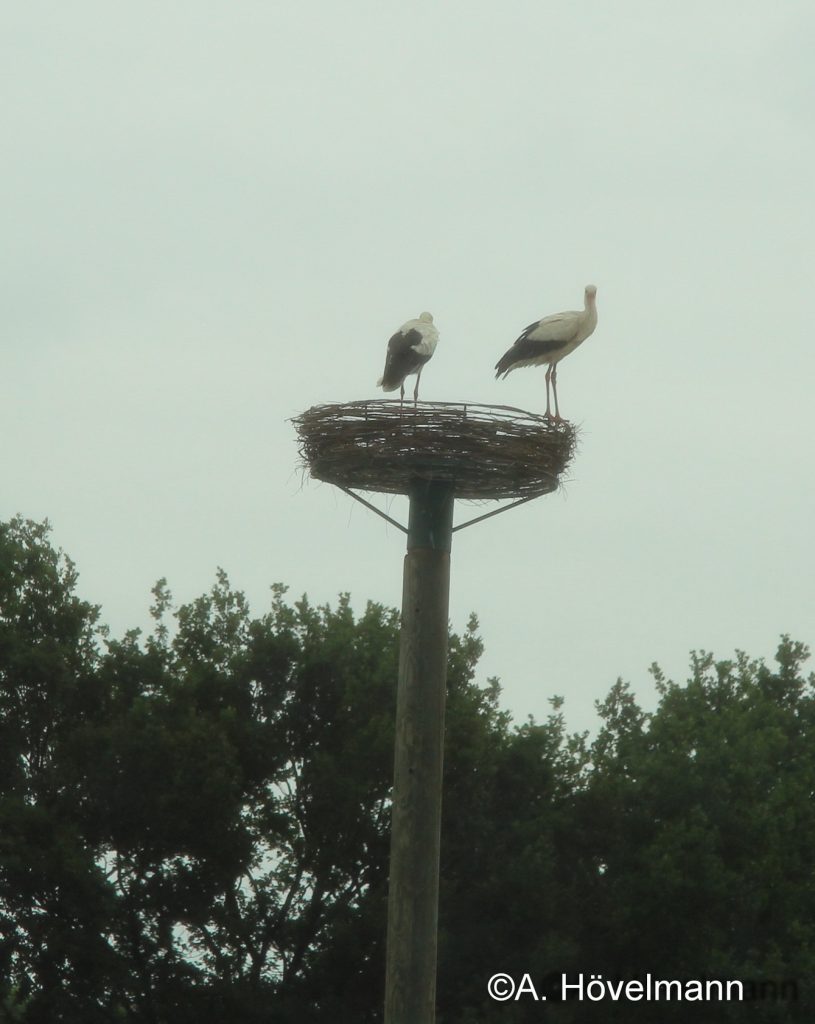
{"x": 413, "y": 892}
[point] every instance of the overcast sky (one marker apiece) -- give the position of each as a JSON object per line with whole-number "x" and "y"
{"x": 216, "y": 213}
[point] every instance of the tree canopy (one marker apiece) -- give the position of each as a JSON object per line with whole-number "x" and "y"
{"x": 194, "y": 823}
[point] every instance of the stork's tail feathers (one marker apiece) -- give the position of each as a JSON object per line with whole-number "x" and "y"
{"x": 504, "y": 365}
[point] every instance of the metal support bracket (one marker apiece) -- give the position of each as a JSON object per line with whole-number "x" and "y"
{"x": 455, "y": 529}
{"x": 496, "y": 512}
{"x": 373, "y": 508}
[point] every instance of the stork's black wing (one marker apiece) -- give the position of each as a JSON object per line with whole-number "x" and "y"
{"x": 402, "y": 359}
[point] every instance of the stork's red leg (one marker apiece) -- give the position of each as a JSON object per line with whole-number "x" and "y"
{"x": 548, "y": 376}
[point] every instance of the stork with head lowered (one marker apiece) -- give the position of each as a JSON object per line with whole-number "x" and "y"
{"x": 408, "y": 351}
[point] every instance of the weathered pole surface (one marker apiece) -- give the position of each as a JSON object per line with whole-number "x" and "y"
{"x": 413, "y": 893}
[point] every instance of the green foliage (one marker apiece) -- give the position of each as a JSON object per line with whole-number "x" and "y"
{"x": 194, "y": 824}
{"x": 706, "y": 820}
{"x": 187, "y": 822}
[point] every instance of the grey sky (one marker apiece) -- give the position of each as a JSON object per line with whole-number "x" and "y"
{"x": 216, "y": 213}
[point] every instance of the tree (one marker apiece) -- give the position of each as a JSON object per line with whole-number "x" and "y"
{"x": 239, "y": 798}
{"x": 194, "y": 823}
{"x": 700, "y": 820}
{"x": 220, "y": 790}
{"x": 54, "y": 902}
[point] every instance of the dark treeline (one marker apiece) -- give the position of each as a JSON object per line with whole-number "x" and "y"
{"x": 194, "y": 823}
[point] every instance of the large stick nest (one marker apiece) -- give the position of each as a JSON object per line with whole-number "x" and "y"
{"x": 486, "y": 451}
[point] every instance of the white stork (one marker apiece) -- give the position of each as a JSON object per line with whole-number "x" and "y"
{"x": 408, "y": 350}
{"x": 549, "y": 340}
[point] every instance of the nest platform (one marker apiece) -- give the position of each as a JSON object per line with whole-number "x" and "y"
{"x": 485, "y": 451}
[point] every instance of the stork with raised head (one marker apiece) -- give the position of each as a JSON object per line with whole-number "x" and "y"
{"x": 548, "y": 341}
{"x": 408, "y": 351}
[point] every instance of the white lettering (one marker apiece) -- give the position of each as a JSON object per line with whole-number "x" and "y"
{"x": 525, "y": 988}
{"x": 633, "y": 990}
{"x": 737, "y": 985}
{"x": 596, "y": 988}
{"x": 591, "y": 989}
{"x": 665, "y": 989}
{"x": 694, "y": 992}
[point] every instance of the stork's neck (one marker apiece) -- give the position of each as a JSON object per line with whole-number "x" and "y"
{"x": 590, "y": 313}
